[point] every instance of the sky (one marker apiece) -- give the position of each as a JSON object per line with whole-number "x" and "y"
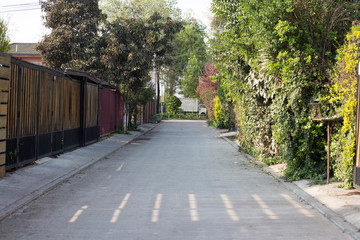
{"x": 27, "y": 26}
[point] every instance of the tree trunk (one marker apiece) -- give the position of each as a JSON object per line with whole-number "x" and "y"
{"x": 126, "y": 110}
{"x": 126, "y": 117}
{"x": 158, "y": 89}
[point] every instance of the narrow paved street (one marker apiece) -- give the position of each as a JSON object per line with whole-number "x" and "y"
{"x": 179, "y": 181}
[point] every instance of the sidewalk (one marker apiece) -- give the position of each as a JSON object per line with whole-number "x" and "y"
{"x": 25, "y": 185}
{"x": 340, "y": 206}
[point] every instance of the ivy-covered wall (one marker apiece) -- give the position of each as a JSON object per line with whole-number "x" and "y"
{"x": 274, "y": 59}
{"x": 343, "y": 95}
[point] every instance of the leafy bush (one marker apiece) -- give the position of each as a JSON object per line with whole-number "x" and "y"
{"x": 172, "y": 104}
{"x": 343, "y": 92}
{"x": 207, "y": 89}
{"x": 274, "y": 60}
{"x": 181, "y": 116}
{"x": 219, "y": 114}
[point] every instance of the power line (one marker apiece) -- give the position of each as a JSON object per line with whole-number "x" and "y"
{"x": 19, "y": 10}
{"x": 19, "y": 7}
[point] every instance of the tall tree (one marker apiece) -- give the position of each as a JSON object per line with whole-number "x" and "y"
{"x": 189, "y": 58}
{"x": 161, "y": 34}
{"x": 127, "y": 58}
{"x": 74, "y": 35}
{"x": 190, "y": 77}
{"x": 4, "y": 39}
{"x": 162, "y": 21}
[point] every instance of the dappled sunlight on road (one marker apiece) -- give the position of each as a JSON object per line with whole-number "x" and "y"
{"x": 118, "y": 210}
{"x": 194, "y": 207}
{"x": 229, "y": 208}
{"x": 264, "y": 207}
{"x": 157, "y": 205}
{"x": 77, "y": 214}
{"x": 120, "y": 167}
{"x": 297, "y": 205}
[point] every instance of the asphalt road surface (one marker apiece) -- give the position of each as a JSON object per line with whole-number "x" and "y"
{"x": 179, "y": 181}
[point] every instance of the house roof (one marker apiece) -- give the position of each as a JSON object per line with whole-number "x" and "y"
{"x": 23, "y": 49}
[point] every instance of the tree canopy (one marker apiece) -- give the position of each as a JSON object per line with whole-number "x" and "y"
{"x": 128, "y": 60}
{"x": 4, "y": 39}
{"x": 142, "y": 9}
{"x": 123, "y": 42}
{"x": 74, "y": 34}
{"x": 189, "y": 58}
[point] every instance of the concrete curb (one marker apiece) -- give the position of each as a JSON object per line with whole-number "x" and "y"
{"x": 332, "y": 216}
{"x": 41, "y": 190}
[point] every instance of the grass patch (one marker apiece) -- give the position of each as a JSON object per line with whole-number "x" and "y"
{"x": 182, "y": 116}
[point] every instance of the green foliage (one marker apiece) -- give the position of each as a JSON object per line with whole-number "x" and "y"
{"x": 141, "y": 9}
{"x": 121, "y": 131}
{"x": 273, "y": 59}
{"x": 178, "y": 45}
{"x": 73, "y": 41}
{"x": 127, "y": 58}
{"x": 173, "y": 104}
{"x": 144, "y": 34}
{"x": 181, "y": 116}
{"x": 190, "y": 79}
{"x": 343, "y": 94}
{"x": 218, "y": 110}
{"x": 139, "y": 36}
{"x": 4, "y": 39}
{"x": 207, "y": 89}
{"x": 189, "y": 57}
{"x": 219, "y": 114}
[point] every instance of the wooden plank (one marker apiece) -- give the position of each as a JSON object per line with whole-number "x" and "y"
{"x": 2, "y": 147}
{"x": 2, "y": 171}
{"x": 4, "y": 97}
{"x": 2, "y": 121}
{"x": 2, "y": 133}
{"x": 4, "y": 72}
{"x": 5, "y": 59}
{"x": 3, "y": 109}
{"x": 4, "y": 84}
{"x": 2, "y": 159}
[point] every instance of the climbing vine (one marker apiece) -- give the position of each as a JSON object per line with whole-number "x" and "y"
{"x": 274, "y": 59}
{"x": 343, "y": 95}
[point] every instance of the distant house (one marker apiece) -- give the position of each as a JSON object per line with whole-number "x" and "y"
{"x": 26, "y": 52}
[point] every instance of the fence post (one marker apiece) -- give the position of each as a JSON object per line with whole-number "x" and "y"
{"x": 5, "y": 63}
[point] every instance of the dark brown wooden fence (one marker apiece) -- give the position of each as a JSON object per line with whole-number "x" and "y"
{"x": 112, "y": 110}
{"x": 49, "y": 112}
{"x": 145, "y": 112}
{"x": 5, "y": 62}
{"x": 149, "y": 110}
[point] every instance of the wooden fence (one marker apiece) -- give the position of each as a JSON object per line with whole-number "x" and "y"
{"x": 49, "y": 112}
{"x": 112, "y": 110}
{"x": 145, "y": 112}
{"x": 45, "y": 112}
{"x": 5, "y": 62}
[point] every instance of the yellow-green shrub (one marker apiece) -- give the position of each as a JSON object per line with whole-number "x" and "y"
{"x": 343, "y": 94}
{"x": 219, "y": 112}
